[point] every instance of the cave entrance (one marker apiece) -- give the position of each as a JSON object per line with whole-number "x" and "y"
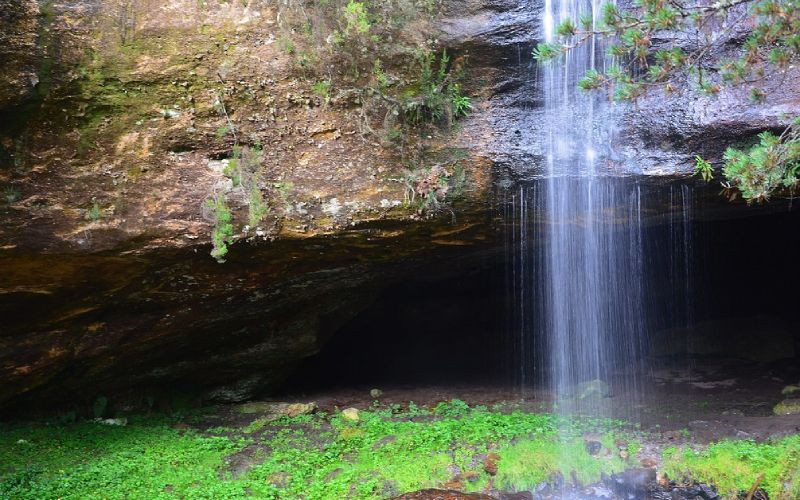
{"x": 431, "y": 337}
{"x": 728, "y": 352}
{"x": 420, "y": 332}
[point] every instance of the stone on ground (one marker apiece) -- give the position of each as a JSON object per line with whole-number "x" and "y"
{"x": 351, "y": 414}
{"x": 593, "y": 388}
{"x": 790, "y": 406}
{"x": 275, "y": 410}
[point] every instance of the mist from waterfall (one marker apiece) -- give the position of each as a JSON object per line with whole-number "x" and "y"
{"x": 582, "y": 262}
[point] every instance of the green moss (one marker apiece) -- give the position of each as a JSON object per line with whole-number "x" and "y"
{"x": 387, "y": 452}
{"x": 88, "y": 460}
{"x": 391, "y": 453}
{"x": 734, "y": 466}
{"x": 790, "y": 406}
{"x": 314, "y": 456}
{"x": 527, "y": 463}
{"x": 89, "y": 131}
{"x": 107, "y": 91}
{"x": 256, "y": 425}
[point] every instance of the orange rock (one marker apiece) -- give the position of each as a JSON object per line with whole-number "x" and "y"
{"x": 453, "y": 485}
{"x": 649, "y": 462}
{"x": 490, "y": 464}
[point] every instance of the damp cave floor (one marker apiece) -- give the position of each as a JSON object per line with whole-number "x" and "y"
{"x": 228, "y": 451}
{"x": 701, "y": 400}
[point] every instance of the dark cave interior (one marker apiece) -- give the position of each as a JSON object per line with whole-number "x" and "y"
{"x": 738, "y": 305}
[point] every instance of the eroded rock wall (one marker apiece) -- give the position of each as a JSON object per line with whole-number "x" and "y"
{"x": 119, "y": 120}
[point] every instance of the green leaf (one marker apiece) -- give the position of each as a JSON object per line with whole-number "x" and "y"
{"x": 610, "y": 15}
{"x": 703, "y": 168}
{"x": 544, "y": 52}
{"x": 587, "y": 21}
{"x": 566, "y": 28}
{"x": 591, "y": 81}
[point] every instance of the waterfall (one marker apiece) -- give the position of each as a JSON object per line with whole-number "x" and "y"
{"x": 592, "y": 277}
{"x": 582, "y": 264}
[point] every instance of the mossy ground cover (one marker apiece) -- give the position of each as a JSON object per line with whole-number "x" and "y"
{"x": 734, "y": 466}
{"x": 388, "y": 451}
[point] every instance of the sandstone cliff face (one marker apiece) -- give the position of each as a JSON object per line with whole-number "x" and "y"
{"x": 118, "y": 127}
{"x": 133, "y": 119}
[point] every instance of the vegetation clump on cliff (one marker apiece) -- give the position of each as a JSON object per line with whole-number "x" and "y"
{"x": 370, "y": 53}
{"x": 339, "y": 50}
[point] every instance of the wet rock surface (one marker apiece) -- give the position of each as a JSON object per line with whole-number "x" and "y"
{"x": 633, "y": 484}
{"x": 434, "y": 494}
{"x": 664, "y": 131}
{"x": 658, "y": 135}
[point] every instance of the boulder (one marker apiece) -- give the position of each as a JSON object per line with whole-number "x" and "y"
{"x": 297, "y": 409}
{"x": 592, "y": 388}
{"x": 273, "y": 410}
{"x": 490, "y": 463}
{"x": 632, "y": 482}
{"x": 351, "y": 414}
{"x": 593, "y": 446}
{"x": 790, "y": 406}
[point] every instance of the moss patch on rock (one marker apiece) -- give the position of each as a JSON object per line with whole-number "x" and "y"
{"x": 735, "y": 466}
{"x": 790, "y": 406}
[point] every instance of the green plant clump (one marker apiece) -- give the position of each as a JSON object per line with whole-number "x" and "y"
{"x": 11, "y": 194}
{"x": 222, "y": 233}
{"x": 440, "y": 95}
{"x": 323, "y": 89}
{"x": 146, "y": 459}
{"x": 94, "y": 213}
{"x": 734, "y": 466}
{"x": 772, "y": 163}
{"x": 703, "y": 168}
